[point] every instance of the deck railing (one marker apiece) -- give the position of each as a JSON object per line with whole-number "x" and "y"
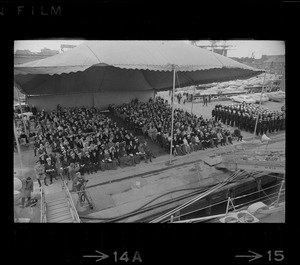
{"x": 43, "y": 218}
{"x": 71, "y": 204}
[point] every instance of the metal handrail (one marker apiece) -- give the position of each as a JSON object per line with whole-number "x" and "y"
{"x": 43, "y": 207}
{"x": 73, "y": 210}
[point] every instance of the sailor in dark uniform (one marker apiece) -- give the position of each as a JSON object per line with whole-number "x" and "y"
{"x": 270, "y": 128}
{"x": 258, "y": 128}
{"x": 237, "y": 119}
{"x": 277, "y": 123}
{"x": 233, "y": 118}
{"x": 213, "y": 112}
{"x": 281, "y": 124}
{"x": 242, "y": 120}
{"x": 263, "y": 126}
{"x": 241, "y": 127}
{"x": 217, "y": 113}
{"x": 223, "y": 116}
{"x": 272, "y": 124}
{"x": 227, "y": 116}
{"x": 246, "y": 122}
{"x": 220, "y": 114}
{"x": 250, "y": 122}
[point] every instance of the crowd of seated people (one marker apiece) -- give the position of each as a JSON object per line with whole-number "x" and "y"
{"x": 68, "y": 140}
{"x": 82, "y": 139}
{"x": 191, "y": 133}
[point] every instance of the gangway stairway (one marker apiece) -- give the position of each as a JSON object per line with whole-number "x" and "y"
{"x": 58, "y": 210}
{"x": 58, "y": 206}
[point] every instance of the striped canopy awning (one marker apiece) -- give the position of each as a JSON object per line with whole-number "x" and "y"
{"x": 96, "y": 66}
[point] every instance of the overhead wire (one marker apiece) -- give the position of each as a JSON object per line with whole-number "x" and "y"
{"x": 201, "y": 189}
{"x": 137, "y": 211}
{"x": 235, "y": 198}
{"x": 236, "y": 206}
{"x": 218, "y": 186}
{"x": 143, "y": 206}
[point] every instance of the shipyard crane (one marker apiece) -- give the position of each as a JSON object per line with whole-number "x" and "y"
{"x": 215, "y": 46}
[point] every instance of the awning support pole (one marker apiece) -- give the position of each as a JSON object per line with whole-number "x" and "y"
{"x": 172, "y": 122}
{"x": 193, "y": 100}
{"x": 19, "y": 149}
{"x": 262, "y": 91}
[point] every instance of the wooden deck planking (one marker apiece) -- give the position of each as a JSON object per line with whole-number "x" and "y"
{"x": 54, "y": 216}
{"x": 58, "y": 210}
{"x": 60, "y": 218}
{"x": 54, "y": 196}
{"x": 56, "y": 202}
{"x": 70, "y": 220}
{"x": 57, "y": 206}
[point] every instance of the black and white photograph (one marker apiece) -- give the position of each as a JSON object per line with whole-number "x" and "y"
{"x": 149, "y": 131}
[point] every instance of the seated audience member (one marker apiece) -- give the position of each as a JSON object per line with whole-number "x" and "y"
{"x": 142, "y": 153}
{"x": 39, "y": 170}
{"x": 65, "y": 166}
{"x": 102, "y": 161}
{"x": 50, "y": 170}
{"x": 58, "y": 165}
{"x": 88, "y": 163}
{"x": 228, "y": 136}
{"x": 186, "y": 146}
{"x": 125, "y": 159}
{"x": 148, "y": 151}
{"x": 113, "y": 158}
{"x": 237, "y": 133}
{"x": 73, "y": 169}
{"x": 81, "y": 163}
{"x": 94, "y": 160}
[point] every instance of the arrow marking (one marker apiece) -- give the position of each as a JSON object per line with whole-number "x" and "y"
{"x": 101, "y": 256}
{"x": 254, "y": 257}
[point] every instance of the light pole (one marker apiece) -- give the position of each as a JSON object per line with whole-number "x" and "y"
{"x": 19, "y": 150}
{"x": 172, "y": 122}
{"x": 193, "y": 100}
